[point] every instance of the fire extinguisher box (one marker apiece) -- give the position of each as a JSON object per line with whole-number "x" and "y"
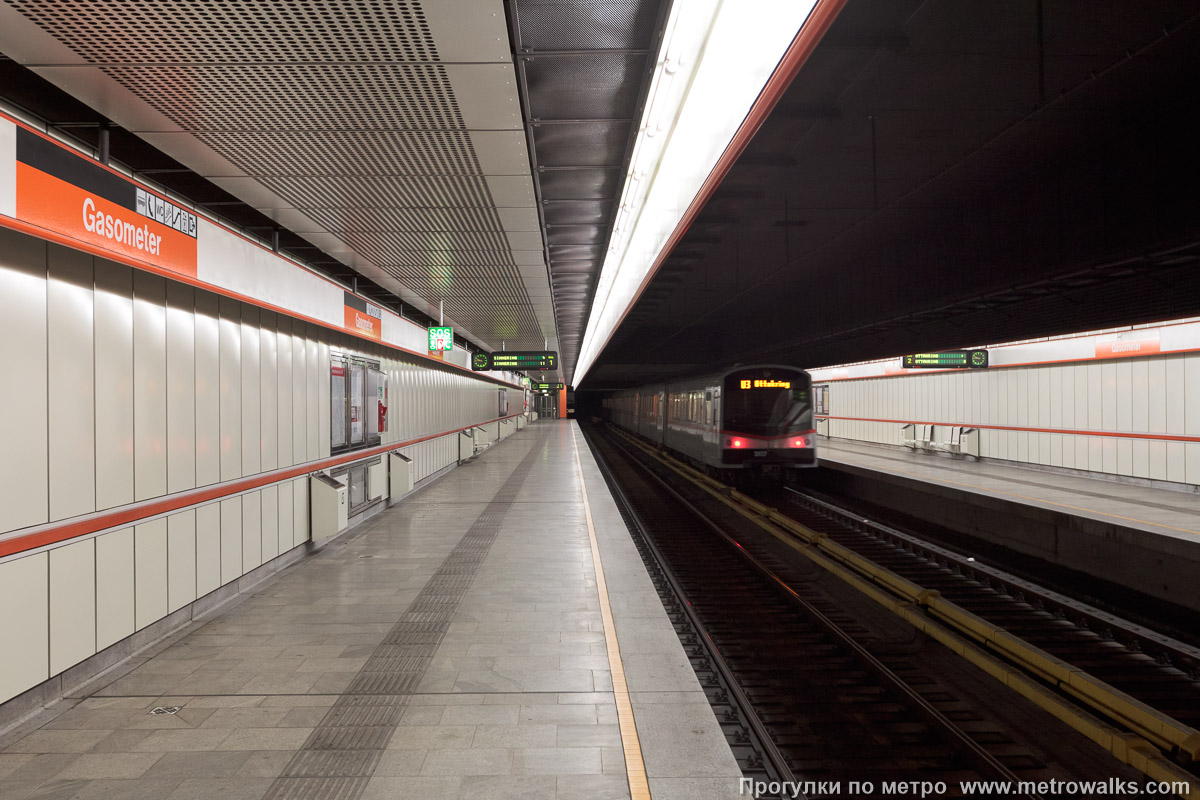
{"x": 330, "y": 506}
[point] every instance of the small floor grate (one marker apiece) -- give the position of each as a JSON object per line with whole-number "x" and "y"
{"x": 165, "y": 710}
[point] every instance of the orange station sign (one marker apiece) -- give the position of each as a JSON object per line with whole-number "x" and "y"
{"x": 362, "y": 317}
{"x": 76, "y": 197}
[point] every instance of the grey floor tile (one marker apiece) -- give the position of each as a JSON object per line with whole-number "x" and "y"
{"x": 508, "y": 787}
{"x": 98, "y": 766}
{"x": 432, "y": 737}
{"x": 557, "y": 761}
{"x": 489, "y": 761}
{"x": 398, "y": 788}
{"x": 592, "y": 787}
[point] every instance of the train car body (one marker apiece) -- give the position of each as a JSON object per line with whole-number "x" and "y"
{"x": 747, "y": 417}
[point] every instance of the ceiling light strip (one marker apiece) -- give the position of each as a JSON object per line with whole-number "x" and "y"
{"x": 708, "y": 97}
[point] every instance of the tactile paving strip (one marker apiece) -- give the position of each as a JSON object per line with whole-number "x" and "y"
{"x": 340, "y": 755}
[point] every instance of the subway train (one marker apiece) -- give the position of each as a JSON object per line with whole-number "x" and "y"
{"x": 744, "y": 419}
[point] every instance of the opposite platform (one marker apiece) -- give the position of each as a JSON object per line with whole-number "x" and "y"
{"x": 452, "y": 646}
{"x": 1139, "y": 536}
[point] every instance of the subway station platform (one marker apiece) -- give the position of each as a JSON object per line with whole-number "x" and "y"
{"x": 1135, "y": 535}
{"x": 460, "y": 644}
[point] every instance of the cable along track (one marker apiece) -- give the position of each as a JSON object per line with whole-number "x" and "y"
{"x": 819, "y": 706}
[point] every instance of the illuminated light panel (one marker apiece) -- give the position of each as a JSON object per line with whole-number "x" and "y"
{"x": 764, "y": 384}
{"x": 705, "y": 81}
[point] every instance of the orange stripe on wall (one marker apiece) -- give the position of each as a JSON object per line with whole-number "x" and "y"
{"x": 1164, "y": 437}
{"x": 55, "y": 532}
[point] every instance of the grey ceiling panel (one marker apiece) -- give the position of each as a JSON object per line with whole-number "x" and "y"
{"x": 580, "y": 184}
{"x": 601, "y": 85}
{"x": 388, "y": 132}
{"x": 587, "y": 24}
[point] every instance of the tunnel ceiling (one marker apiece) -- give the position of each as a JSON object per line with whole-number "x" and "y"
{"x": 583, "y": 68}
{"x": 944, "y": 174}
{"x": 465, "y": 153}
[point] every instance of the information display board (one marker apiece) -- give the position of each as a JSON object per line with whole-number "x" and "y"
{"x": 547, "y": 387}
{"x": 951, "y": 359}
{"x": 441, "y": 338}
{"x": 516, "y": 360}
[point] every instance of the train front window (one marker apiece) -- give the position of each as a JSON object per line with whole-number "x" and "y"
{"x": 767, "y": 403}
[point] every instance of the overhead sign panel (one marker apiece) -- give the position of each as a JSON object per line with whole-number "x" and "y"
{"x": 548, "y": 387}
{"x": 63, "y": 192}
{"x": 951, "y": 359}
{"x": 516, "y": 360}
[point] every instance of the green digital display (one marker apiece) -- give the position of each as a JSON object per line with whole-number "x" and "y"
{"x": 441, "y": 338}
{"x": 516, "y": 360}
{"x": 548, "y": 387}
{"x": 951, "y": 359}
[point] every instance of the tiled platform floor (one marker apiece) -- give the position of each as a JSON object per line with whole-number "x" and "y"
{"x": 512, "y": 698}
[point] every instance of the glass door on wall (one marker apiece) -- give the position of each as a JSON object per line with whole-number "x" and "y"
{"x": 357, "y": 403}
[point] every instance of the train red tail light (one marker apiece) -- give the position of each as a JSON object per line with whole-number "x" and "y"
{"x": 737, "y": 443}
{"x": 798, "y": 441}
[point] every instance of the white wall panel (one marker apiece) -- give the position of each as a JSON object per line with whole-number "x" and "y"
{"x": 149, "y": 385}
{"x": 208, "y": 389}
{"x": 72, "y": 604}
{"x": 251, "y": 531}
{"x": 231, "y": 539}
{"x": 300, "y": 531}
{"x": 286, "y": 515}
{"x": 268, "y": 371}
{"x": 181, "y": 559}
{"x": 150, "y": 572}
{"x": 270, "y": 522}
{"x": 114, "y": 587}
{"x": 208, "y": 548}
{"x": 231, "y": 389}
{"x": 181, "y": 387}
{"x": 26, "y": 479}
{"x": 72, "y": 393}
{"x": 299, "y": 395}
{"x": 24, "y": 636}
{"x": 283, "y": 412}
{"x": 323, "y": 392}
{"x": 312, "y": 385}
{"x": 251, "y": 384}
{"x": 114, "y": 384}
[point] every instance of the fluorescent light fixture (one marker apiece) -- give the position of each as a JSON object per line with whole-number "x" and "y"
{"x": 705, "y": 81}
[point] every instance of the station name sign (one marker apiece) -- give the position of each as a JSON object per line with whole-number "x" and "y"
{"x": 61, "y": 191}
{"x": 951, "y": 359}
{"x": 516, "y": 360}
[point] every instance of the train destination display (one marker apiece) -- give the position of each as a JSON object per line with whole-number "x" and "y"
{"x": 952, "y": 359}
{"x": 516, "y": 360}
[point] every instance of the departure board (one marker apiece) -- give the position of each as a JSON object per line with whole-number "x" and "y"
{"x": 517, "y": 360}
{"x": 951, "y": 359}
{"x": 547, "y": 387}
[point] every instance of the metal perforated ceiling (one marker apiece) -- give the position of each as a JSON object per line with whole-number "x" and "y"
{"x": 388, "y": 132}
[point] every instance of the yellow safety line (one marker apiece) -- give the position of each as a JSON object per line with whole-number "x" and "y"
{"x": 635, "y": 767}
{"x": 990, "y": 490}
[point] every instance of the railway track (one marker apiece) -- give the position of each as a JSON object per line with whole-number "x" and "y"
{"x": 814, "y": 705}
{"x": 1129, "y": 689}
